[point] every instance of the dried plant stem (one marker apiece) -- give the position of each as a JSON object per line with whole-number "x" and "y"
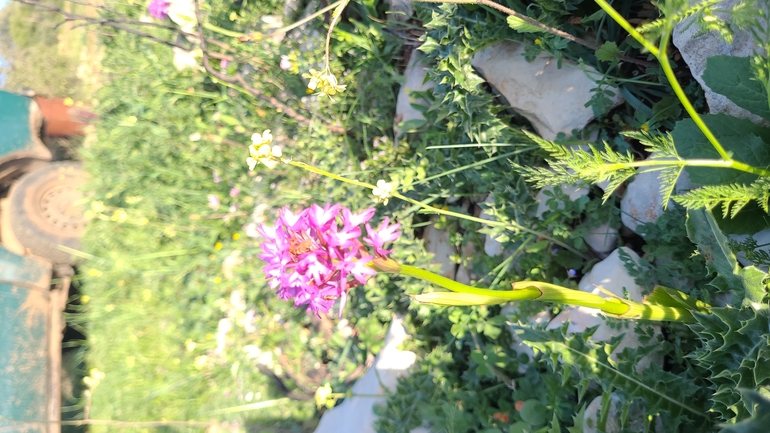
{"x": 539, "y": 25}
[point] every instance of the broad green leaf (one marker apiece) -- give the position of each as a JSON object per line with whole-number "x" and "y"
{"x": 533, "y": 412}
{"x": 734, "y": 77}
{"x": 703, "y": 231}
{"x": 608, "y": 52}
{"x": 746, "y": 141}
{"x": 753, "y": 282}
{"x": 751, "y": 219}
{"x": 522, "y": 26}
{"x": 457, "y": 299}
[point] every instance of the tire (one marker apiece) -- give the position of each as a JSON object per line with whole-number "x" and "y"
{"x": 45, "y": 209}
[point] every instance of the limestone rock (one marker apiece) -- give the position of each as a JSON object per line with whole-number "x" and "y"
{"x": 492, "y": 247}
{"x": 696, "y": 47}
{"x": 552, "y": 99}
{"x": 355, "y": 414}
{"x": 602, "y": 239}
{"x": 642, "y": 201}
{"x": 414, "y": 81}
{"x": 437, "y": 242}
{"x": 592, "y": 416}
{"x": 400, "y": 10}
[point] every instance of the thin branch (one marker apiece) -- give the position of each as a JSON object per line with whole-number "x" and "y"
{"x": 240, "y": 80}
{"x": 539, "y": 25}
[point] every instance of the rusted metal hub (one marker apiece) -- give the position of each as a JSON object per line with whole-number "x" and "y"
{"x": 61, "y": 207}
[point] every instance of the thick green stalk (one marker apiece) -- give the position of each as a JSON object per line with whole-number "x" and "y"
{"x": 534, "y": 290}
{"x": 718, "y": 163}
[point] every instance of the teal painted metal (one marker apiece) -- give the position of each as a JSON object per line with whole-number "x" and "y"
{"x": 25, "y": 362}
{"x": 14, "y": 123}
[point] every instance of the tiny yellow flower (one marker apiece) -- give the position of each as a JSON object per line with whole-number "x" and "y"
{"x": 217, "y": 280}
{"x": 84, "y": 299}
{"x": 218, "y": 246}
{"x": 200, "y": 361}
{"x": 322, "y": 395}
{"x": 382, "y": 191}
{"x": 146, "y": 295}
{"x": 236, "y": 236}
{"x": 538, "y": 41}
{"x": 645, "y": 127}
{"x": 68, "y": 102}
{"x": 190, "y": 345}
{"x": 323, "y": 83}
{"x": 109, "y": 307}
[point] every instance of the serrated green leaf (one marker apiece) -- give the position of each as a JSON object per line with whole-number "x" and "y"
{"x": 746, "y": 141}
{"x": 733, "y": 77}
{"x": 522, "y": 26}
{"x": 760, "y": 420}
{"x": 608, "y": 52}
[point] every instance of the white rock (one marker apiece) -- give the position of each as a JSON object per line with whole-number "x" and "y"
{"x": 355, "y": 414}
{"x": 573, "y": 192}
{"x": 642, "y": 202}
{"x": 400, "y": 10}
{"x": 602, "y": 239}
{"x": 606, "y": 277}
{"x": 492, "y": 247}
{"x": 696, "y": 47}
{"x": 763, "y": 240}
{"x": 437, "y": 242}
{"x": 464, "y": 274}
{"x": 592, "y": 416}
{"x": 414, "y": 81}
{"x": 636, "y": 419}
{"x": 552, "y": 99}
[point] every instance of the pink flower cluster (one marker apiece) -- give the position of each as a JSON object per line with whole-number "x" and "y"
{"x": 316, "y": 256}
{"x": 159, "y": 9}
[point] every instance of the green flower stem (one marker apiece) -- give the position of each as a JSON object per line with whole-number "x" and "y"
{"x": 669, "y": 71}
{"x": 512, "y": 226}
{"x": 662, "y": 56}
{"x": 533, "y": 290}
{"x": 221, "y": 31}
{"x": 719, "y": 163}
{"x": 335, "y": 17}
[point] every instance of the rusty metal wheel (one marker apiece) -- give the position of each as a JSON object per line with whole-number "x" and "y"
{"x": 46, "y": 210}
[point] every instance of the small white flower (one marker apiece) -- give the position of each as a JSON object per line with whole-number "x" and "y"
{"x": 382, "y": 191}
{"x": 265, "y": 138}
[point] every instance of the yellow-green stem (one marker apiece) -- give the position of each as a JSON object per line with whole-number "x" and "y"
{"x": 661, "y": 54}
{"x": 512, "y": 226}
{"x": 534, "y": 290}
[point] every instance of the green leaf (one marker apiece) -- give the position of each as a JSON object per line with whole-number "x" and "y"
{"x": 750, "y": 220}
{"x": 703, "y": 231}
{"x": 734, "y": 77}
{"x": 753, "y": 279}
{"x": 522, "y": 26}
{"x": 746, "y": 141}
{"x": 608, "y": 52}
{"x": 533, "y": 412}
{"x": 760, "y": 419}
{"x": 674, "y": 298}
